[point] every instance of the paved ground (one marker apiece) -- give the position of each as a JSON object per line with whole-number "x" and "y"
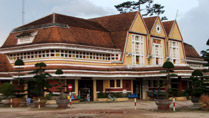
{"x": 145, "y": 109}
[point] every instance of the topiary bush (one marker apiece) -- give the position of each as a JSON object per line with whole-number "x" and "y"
{"x": 7, "y": 89}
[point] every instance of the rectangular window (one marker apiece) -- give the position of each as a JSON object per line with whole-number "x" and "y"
{"x": 112, "y": 83}
{"x": 157, "y": 52}
{"x": 174, "y": 52}
{"x": 138, "y": 49}
{"x": 99, "y": 85}
{"x": 118, "y": 83}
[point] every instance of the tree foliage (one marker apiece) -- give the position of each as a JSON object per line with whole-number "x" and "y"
{"x": 39, "y": 84}
{"x": 205, "y": 54}
{"x": 19, "y": 63}
{"x": 149, "y": 8}
{"x": 7, "y": 89}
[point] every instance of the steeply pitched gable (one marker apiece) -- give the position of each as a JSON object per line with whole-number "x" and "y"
{"x": 150, "y": 21}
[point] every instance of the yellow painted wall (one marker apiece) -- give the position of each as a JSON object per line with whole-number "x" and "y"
{"x": 138, "y": 25}
{"x": 175, "y": 33}
{"x": 95, "y": 89}
{"x": 132, "y": 87}
{"x": 106, "y": 84}
{"x": 181, "y": 53}
{"x": 154, "y": 32}
{"x": 76, "y": 87}
{"x": 128, "y": 59}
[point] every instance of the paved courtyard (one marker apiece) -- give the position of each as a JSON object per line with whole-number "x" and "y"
{"x": 145, "y": 109}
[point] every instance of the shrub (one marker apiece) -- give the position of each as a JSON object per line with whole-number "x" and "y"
{"x": 204, "y": 100}
{"x": 7, "y": 89}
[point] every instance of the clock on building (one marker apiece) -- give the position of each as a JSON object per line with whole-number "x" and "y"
{"x": 158, "y": 28}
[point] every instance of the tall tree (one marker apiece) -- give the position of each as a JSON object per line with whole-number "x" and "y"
{"x": 205, "y": 54}
{"x": 149, "y": 10}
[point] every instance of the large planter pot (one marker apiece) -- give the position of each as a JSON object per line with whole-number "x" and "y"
{"x": 62, "y": 103}
{"x": 195, "y": 101}
{"x": 18, "y": 102}
{"x": 163, "y": 104}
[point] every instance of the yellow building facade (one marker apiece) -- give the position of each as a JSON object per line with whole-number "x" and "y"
{"x": 119, "y": 54}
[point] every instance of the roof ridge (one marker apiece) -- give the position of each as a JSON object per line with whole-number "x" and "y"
{"x": 112, "y": 15}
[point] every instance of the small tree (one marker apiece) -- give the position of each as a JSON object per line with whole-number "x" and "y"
{"x": 60, "y": 82}
{"x": 168, "y": 66}
{"x": 196, "y": 84}
{"x": 40, "y": 84}
{"x": 7, "y": 89}
{"x": 19, "y": 63}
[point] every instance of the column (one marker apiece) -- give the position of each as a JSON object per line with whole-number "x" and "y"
{"x": 76, "y": 87}
{"x": 132, "y": 87}
{"x": 180, "y": 85}
{"x": 95, "y": 89}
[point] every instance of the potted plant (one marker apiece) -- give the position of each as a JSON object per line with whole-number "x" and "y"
{"x": 163, "y": 101}
{"x": 39, "y": 84}
{"x": 62, "y": 101}
{"x": 196, "y": 89}
{"x": 19, "y": 96}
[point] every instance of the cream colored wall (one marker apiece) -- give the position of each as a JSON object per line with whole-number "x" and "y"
{"x": 106, "y": 84}
{"x": 182, "y": 57}
{"x": 175, "y": 33}
{"x": 69, "y": 62}
{"x": 76, "y": 87}
{"x": 95, "y": 89}
{"x": 154, "y": 32}
{"x": 137, "y": 26}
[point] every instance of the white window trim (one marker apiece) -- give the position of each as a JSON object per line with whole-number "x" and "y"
{"x": 141, "y": 53}
{"x": 177, "y": 58}
{"x": 161, "y": 53}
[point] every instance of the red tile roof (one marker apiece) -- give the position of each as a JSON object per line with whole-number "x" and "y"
{"x": 72, "y": 35}
{"x": 190, "y": 51}
{"x": 108, "y": 31}
{"x": 150, "y": 21}
{"x": 63, "y": 19}
{"x": 5, "y": 65}
{"x": 120, "y": 22}
{"x": 118, "y": 25}
{"x": 168, "y": 25}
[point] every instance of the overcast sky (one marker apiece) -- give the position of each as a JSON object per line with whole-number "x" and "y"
{"x": 193, "y": 15}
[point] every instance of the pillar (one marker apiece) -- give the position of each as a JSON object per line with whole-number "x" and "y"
{"x": 180, "y": 85}
{"x": 115, "y": 82}
{"x": 95, "y": 89}
{"x": 76, "y": 87}
{"x": 132, "y": 87}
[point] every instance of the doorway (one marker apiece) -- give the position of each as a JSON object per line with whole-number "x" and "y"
{"x": 85, "y": 87}
{"x": 137, "y": 88}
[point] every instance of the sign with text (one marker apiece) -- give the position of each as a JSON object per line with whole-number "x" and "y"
{"x": 70, "y": 87}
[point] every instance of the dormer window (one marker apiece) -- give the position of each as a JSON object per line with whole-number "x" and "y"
{"x": 26, "y": 37}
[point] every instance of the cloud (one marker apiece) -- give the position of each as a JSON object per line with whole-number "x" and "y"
{"x": 82, "y": 8}
{"x": 194, "y": 25}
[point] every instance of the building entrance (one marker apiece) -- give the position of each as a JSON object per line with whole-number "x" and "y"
{"x": 85, "y": 88}
{"x": 137, "y": 85}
